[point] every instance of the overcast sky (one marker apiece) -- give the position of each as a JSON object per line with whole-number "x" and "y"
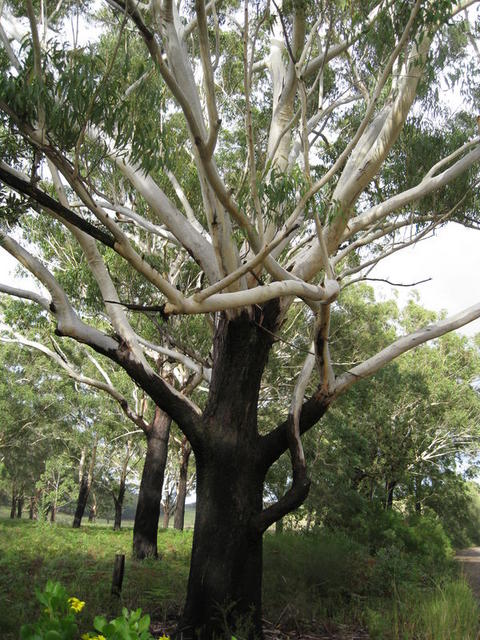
{"x": 451, "y": 258}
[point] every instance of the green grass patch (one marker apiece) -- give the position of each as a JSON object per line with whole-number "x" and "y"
{"x": 312, "y": 583}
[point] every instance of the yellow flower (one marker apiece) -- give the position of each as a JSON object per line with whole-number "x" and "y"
{"x": 164, "y": 637}
{"x": 85, "y": 636}
{"x": 76, "y": 604}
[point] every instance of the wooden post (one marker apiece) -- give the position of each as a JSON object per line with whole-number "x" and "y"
{"x": 118, "y": 569}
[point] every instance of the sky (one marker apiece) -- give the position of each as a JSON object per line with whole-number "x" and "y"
{"x": 451, "y": 259}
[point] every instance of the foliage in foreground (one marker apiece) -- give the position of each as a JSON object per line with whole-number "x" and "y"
{"x": 408, "y": 590}
{"x": 57, "y": 620}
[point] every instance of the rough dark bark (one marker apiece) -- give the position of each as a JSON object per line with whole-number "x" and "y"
{"x": 117, "y": 523}
{"x": 150, "y": 494}
{"x": 83, "y": 493}
{"x": 13, "y": 504}
{"x": 224, "y": 588}
{"x": 179, "y": 519}
{"x": 389, "y": 487}
{"x": 86, "y": 479}
{"x": 53, "y": 512}
{"x": 20, "y": 503}
{"x": 33, "y": 509}
{"x": 119, "y": 498}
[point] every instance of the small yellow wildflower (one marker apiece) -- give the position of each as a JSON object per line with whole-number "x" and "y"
{"x": 76, "y": 604}
{"x": 164, "y": 637}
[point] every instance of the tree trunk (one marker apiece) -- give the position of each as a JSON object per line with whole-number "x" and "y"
{"x": 166, "y": 512}
{"x": 82, "y": 499}
{"x": 93, "y": 509}
{"x": 119, "y": 498}
{"x": 33, "y": 509}
{"x": 13, "y": 504}
{"x": 417, "y": 490}
{"x": 225, "y": 581}
{"x": 86, "y": 478}
{"x": 53, "y": 512}
{"x": 20, "y": 503}
{"x": 150, "y": 494}
{"x": 179, "y": 519}
{"x": 390, "y": 486}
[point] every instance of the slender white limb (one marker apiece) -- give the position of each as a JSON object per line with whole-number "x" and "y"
{"x": 213, "y": 120}
{"x": 193, "y": 241}
{"x": 205, "y": 372}
{"x": 406, "y": 343}
{"x": 26, "y": 295}
{"x": 186, "y": 205}
{"x": 245, "y": 268}
{"x": 68, "y": 322}
{"x": 424, "y": 188}
{"x": 296, "y": 448}
{"x": 79, "y": 377}
{"x": 100, "y": 273}
{"x": 258, "y": 295}
{"x": 8, "y": 48}
{"x": 139, "y": 220}
{"x": 333, "y": 52}
{"x": 458, "y": 152}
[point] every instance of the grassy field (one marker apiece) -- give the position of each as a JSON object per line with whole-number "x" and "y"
{"x": 313, "y": 584}
{"x": 67, "y": 519}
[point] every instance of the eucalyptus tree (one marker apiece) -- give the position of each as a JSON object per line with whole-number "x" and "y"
{"x": 232, "y": 158}
{"x": 402, "y": 434}
{"x": 37, "y": 418}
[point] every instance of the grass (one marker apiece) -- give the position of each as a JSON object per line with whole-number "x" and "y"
{"x": 67, "y": 518}
{"x": 312, "y": 583}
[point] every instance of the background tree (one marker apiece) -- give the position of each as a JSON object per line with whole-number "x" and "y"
{"x": 218, "y": 189}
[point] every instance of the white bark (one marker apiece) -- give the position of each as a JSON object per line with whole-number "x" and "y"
{"x": 406, "y": 343}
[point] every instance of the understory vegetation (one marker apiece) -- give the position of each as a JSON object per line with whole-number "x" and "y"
{"x": 406, "y": 585}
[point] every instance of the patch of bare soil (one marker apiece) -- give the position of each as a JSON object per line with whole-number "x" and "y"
{"x": 470, "y": 561}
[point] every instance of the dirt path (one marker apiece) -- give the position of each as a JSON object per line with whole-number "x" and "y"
{"x": 470, "y": 559}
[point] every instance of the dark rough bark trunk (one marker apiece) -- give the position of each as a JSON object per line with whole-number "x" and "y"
{"x": 117, "y": 523}
{"x": 119, "y": 498}
{"x": 150, "y": 494}
{"x": 82, "y": 500}
{"x": 20, "y": 503}
{"x": 53, "y": 513}
{"x": 86, "y": 479}
{"x": 417, "y": 489}
{"x": 13, "y": 504}
{"x": 179, "y": 519}
{"x": 225, "y": 581}
{"x": 390, "y": 487}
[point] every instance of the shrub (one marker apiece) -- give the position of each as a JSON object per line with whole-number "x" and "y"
{"x": 57, "y": 620}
